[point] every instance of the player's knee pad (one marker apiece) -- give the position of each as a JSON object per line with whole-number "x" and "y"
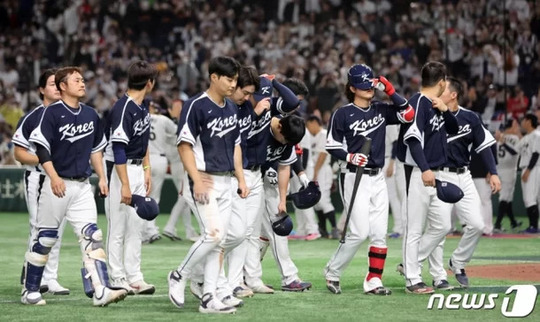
{"x": 45, "y": 240}
{"x": 92, "y": 237}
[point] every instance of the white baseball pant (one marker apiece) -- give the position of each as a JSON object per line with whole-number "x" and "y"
{"x": 484, "y": 192}
{"x": 159, "y": 171}
{"x": 124, "y": 236}
{"x": 508, "y": 183}
{"x": 531, "y": 188}
{"x": 396, "y": 192}
{"x": 324, "y": 178}
{"x": 305, "y": 218}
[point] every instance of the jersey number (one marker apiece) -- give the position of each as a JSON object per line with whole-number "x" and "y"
{"x": 152, "y": 133}
{"x": 502, "y": 151}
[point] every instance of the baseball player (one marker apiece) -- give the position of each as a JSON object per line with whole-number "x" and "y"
{"x": 395, "y": 179}
{"x": 321, "y": 171}
{"x": 471, "y": 135}
{"x": 347, "y": 130}
{"x": 530, "y": 170}
{"x": 25, "y": 153}
{"x": 68, "y": 139}
{"x": 508, "y": 149}
{"x": 128, "y": 170}
{"x": 209, "y": 145}
{"x": 423, "y": 148}
{"x": 180, "y": 208}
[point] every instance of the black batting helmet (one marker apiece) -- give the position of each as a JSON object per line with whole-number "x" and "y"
{"x": 283, "y": 226}
{"x": 307, "y": 197}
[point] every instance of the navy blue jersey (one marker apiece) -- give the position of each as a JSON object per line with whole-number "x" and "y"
{"x": 471, "y": 135}
{"x": 246, "y": 115}
{"x": 428, "y": 128}
{"x": 70, "y": 135}
{"x": 128, "y": 123}
{"x": 350, "y": 124}
{"x": 212, "y": 130}
{"x": 24, "y": 128}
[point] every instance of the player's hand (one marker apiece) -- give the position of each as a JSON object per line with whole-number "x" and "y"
{"x": 358, "y": 159}
{"x": 271, "y": 176}
{"x": 270, "y": 77}
{"x": 494, "y": 183}
{"x": 428, "y": 178}
{"x": 262, "y": 106}
{"x": 103, "y": 188}
{"x": 148, "y": 182}
{"x": 383, "y": 84}
{"x": 243, "y": 190}
{"x": 58, "y": 187}
{"x": 390, "y": 169}
{"x": 525, "y": 175}
{"x": 201, "y": 193}
{"x": 304, "y": 181}
{"x": 282, "y": 207}
{"x": 439, "y": 104}
{"x": 125, "y": 192}
{"x": 499, "y": 136}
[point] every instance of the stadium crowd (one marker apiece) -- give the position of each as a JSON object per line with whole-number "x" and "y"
{"x": 314, "y": 40}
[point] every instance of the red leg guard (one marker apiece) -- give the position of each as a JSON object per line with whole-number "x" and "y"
{"x": 377, "y": 256}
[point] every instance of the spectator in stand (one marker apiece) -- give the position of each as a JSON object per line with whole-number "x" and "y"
{"x": 518, "y": 103}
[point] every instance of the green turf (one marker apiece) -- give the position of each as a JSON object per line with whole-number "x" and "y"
{"x": 310, "y": 257}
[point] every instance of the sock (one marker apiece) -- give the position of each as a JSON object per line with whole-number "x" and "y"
{"x": 503, "y": 207}
{"x": 510, "y": 213}
{"x": 532, "y": 213}
{"x": 377, "y": 256}
{"x": 322, "y": 224}
{"x": 331, "y": 216}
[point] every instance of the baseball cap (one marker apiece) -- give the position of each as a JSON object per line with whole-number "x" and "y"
{"x": 306, "y": 197}
{"x": 146, "y": 207}
{"x": 448, "y": 192}
{"x": 360, "y": 76}
{"x": 283, "y": 226}
{"x": 265, "y": 90}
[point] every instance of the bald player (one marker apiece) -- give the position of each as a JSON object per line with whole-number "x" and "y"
{"x": 25, "y": 153}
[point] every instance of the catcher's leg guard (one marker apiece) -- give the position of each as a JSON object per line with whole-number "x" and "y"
{"x": 37, "y": 257}
{"x": 94, "y": 273}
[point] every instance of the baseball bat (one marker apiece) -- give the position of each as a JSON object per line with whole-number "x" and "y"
{"x": 366, "y": 147}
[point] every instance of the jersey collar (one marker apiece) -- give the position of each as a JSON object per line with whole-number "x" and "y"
{"x": 70, "y": 109}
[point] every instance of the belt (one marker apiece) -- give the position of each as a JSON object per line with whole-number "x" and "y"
{"x": 367, "y": 171}
{"x": 254, "y": 167}
{"x": 459, "y": 170}
{"x": 222, "y": 173}
{"x": 78, "y": 179}
{"x": 135, "y": 161}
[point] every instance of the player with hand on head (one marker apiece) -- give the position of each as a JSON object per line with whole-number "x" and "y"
{"x": 349, "y": 127}
{"x": 423, "y": 148}
{"x": 68, "y": 136}
{"x": 530, "y": 170}
{"x": 25, "y": 153}
{"x": 128, "y": 170}
{"x": 471, "y": 135}
{"x": 508, "y": 157}
{"x": 209, "y": 145}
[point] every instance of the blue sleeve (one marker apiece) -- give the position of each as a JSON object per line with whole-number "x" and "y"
{"x": 394, "y": 150}
{"x": 534, "y": 159}
{"x": 421, "y": 117}
{"x": 481, "y": 136}
{"x": 334, "y": 137}
{"x": 121, "y": 123}
{"x": 188, "y": 127}
{"x": 287, "y": 101}
{"x": 43, "y": 134}
{"x": 390, "y": 114}
{"x": 489, "y": 160}
{"x": 399, "y": 100}
{"x": 418, "y": 154}
{"x": 119, "y": 150}
{"x": 99, "y": 139}
{"x": 450, "y": 122}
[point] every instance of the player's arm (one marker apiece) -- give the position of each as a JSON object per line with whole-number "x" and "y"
{"x": 57, "y": 184}
{"x": 334, "y": 143}
{"x": 530, "y": 166}
{"x": 96, "y": 159}
{"x": 413, "y": 137}
{"x": 284, "y": 172}
{"x": 287, "y": 101}
{"x": 243, "y": 190}
{"x": 450, "y": 122}
{"x": 200, "y": 192}
{"x": 23, "y": 156}
{"x": 318, "y": 164}
{"x": 147, "y": 172}
{"x": 298, "y": 166}
{"x": 120, "y": 161}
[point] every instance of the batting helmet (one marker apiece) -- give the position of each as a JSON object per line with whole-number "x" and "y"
{"x": 360, "y": 76}
{"x": 283, "y": 226}
{"x": 448, "y": 192}
{"x": 146, "y": 207}
{"x": 307, "y": 197}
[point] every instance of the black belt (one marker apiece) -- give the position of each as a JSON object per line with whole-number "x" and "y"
{"x": 135, "y": 161}
{"x": 459, "y": 170}
{"x": 222, "y": 173}
{"x": 367, "y": 171}
{"x": 78, "y": 179}
{"x": 254, "y": 167}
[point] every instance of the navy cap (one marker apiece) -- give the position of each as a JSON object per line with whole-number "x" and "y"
{"x": 360, "y": 76}
{"x": 146, "y": 207}
{"x": 283, "y": 226}
{"x": 308, "y": 197}
{"x": 265, "y": 90}
{"x": 448, "y": 192}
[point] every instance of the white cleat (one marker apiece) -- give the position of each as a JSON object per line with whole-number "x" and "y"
{"x": 211, "y": 305}
{"x": 142, "y": 288}
{"x": 177, "y": 286}
{"x": 230, "y": 300}
{"x": 32, "y": 298}
{"x": 55, "y": 288}
{"x": 121, "y": 284}
{"x": 261, "y": 289}
{"x": 196, "y": 289}
{"x": 242, "y": 291}
{"x": 108, "y": 296}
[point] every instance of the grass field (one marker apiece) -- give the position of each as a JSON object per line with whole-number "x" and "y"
{"x": 315, "y": 305}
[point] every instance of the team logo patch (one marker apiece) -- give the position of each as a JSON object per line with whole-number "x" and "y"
{"x": 221, "y": 126}
{"x": 72, "y": 132}
{"x": 365, "y": 127}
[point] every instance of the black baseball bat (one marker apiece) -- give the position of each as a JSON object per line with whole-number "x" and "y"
{"x": 366, "y": 147}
